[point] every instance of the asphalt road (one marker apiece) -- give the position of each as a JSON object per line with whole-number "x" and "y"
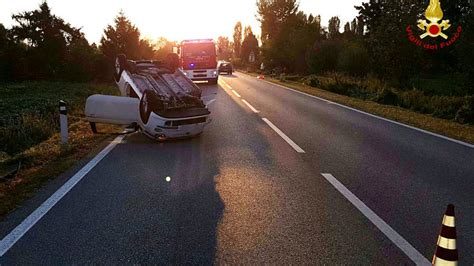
{"x": 250, "y": 190}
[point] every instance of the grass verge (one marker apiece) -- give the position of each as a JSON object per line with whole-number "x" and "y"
{"x": 29, "y": 126}
{"x": 444, "y": 127}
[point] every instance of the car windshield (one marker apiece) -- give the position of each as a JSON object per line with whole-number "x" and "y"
{"x": 201, "y": 49}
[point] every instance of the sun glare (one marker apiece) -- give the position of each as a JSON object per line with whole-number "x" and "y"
{"x": 174, "y": 20}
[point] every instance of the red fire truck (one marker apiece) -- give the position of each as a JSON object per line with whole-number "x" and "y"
{"x": 199, "y": 59}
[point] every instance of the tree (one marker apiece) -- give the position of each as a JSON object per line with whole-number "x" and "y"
{"x": 347, "y": 34}
{"x": 224, "y": 46}
{"x": 360, "y": 26}
{"x": 324, "y": 56}
{"x": 124, "y": 37}
{"x": 48, "y": 39}
{"x": 249, "y": 45}
{"x": 237, "y": 39}
{"x": 163, "y": 47}
{"x": 4, "y": 62}
{"x": 353, "y": 58}
{"x": 272, "y": 14}
{"x": 334, "y": 26}
{"x": 354, "y": 27}
{"x": 389, "y": 50}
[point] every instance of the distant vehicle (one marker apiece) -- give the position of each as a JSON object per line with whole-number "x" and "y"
{"x": 199, "y": 60}
{"x": 159, "y": 99}
{"x": 224, "y": 66}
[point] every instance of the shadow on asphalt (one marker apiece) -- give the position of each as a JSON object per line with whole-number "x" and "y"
{"x": 192, "y": 207}
{"x": 183, "y": 219}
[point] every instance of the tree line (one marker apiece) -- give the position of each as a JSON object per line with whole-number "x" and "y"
{"x": 42, "y": 46}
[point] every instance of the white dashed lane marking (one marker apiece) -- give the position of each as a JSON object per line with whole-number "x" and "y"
{"x": 284, "y": 136}
{"x": 251, "y": 107}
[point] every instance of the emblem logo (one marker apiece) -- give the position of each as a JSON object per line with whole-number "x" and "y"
{"x": 432, "y": 25}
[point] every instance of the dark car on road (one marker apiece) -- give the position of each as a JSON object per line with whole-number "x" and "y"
{"x": 225, "y": 66}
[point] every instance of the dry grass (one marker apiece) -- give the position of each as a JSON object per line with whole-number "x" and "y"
{"x": 427, "y": 122}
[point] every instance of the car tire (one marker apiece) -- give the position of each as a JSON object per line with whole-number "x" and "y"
{"x": 213, "y": 81}
{"x": 120, "y": 66}
{"x": 148, "y": 103}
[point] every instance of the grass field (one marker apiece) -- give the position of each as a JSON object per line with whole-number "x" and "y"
{"x": 29, "y": 110}
{"x": 29, "y": 115}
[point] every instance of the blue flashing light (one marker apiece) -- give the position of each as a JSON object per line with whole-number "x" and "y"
{"x": 192, "y": 65}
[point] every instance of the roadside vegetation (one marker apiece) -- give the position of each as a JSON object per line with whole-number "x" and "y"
{"x": 29, "y": 127}
{"x": 457, "y": 108}
{"x": 29, "y": 110}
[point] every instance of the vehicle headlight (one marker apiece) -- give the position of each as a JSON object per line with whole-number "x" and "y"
{"x": 215, "y": 72}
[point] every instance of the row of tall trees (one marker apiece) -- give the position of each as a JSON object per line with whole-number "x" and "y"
{"x": 373, "y": 43}
{"x": 42, "y": 46}
{"x": 243, "y": 44}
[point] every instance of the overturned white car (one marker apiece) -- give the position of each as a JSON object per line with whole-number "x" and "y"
{"x": 156, "y": 97}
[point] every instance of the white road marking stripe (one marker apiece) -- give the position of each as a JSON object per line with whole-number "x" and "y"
{"x": 224, "y": 84}
{"x": 397, "y": 239}
{"x": 375, "y": 116}
{"x": 236, "y": 94}
{"x": 36, "y": 215}
{"x": 251, "y": 107}
{"x": 210, "y": 102}
{"x": 284, "y": 136}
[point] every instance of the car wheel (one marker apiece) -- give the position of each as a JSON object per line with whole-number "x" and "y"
{"x": 120, "y": 66}
{"x": 213, "y": 81}
{"x": 150, "y": 102}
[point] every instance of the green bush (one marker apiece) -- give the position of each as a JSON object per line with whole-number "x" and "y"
{"x": 447, "y": 107}
{"x": 324, "y": 56}
{"x": 312, "y": 81}
{"x": 353, "y": 59}
{"x": 465, "y": 114}
{"x": 387, "y": 96}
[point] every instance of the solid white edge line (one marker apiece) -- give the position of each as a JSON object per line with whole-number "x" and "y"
{"x": 16, "y": 234}
{"x": 284, "y": 136}
{"x": 396, "y": 238}
{"x": 251, "y": 107}
{"x": 236, "y": 94}
{"x": 372, "y": 115}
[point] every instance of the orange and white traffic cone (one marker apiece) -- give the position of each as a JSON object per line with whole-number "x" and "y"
{"x": 446, "y": 251}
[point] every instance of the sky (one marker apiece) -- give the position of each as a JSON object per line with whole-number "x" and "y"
{"x": 172, "y": 19}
